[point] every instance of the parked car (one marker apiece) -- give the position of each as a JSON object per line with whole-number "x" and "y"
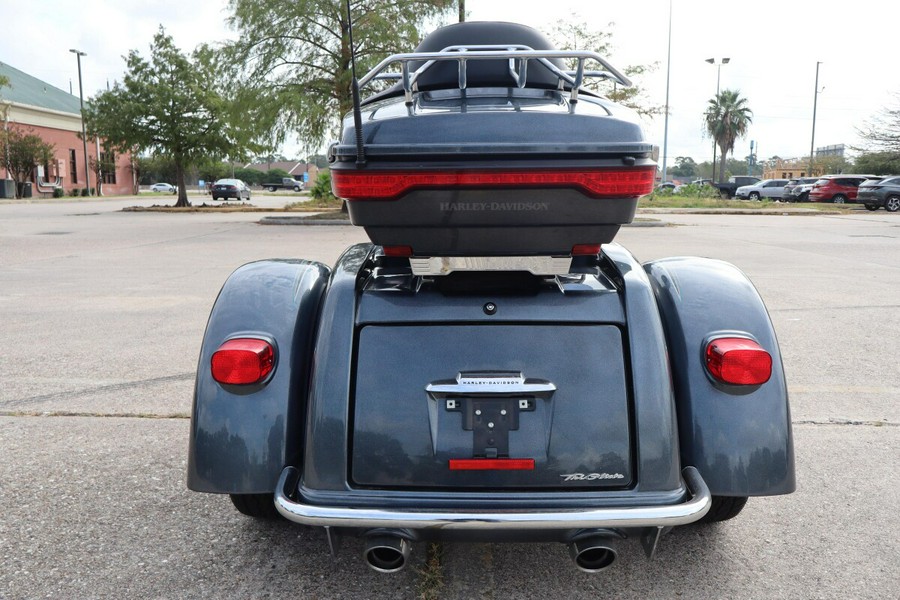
{"x": 875, "y": 193}
{"x": 168, "y": 188}
{"x": 230, "y": 188}
{"x": 767, "y": 188}
{"x": 837, "y": 188}
{"x": 727, "y": 190}
{"x": 797, "y": 190}
{"x": 666, "y": 185}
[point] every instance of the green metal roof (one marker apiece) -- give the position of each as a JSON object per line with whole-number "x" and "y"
{"x": 25, "y": 89}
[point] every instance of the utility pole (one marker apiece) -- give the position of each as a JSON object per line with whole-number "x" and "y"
{"x": 87, "y": 167}
{"x": 718, "y": 64}
{"x": 812, "y": 142}
{"x": 668, "y": 73}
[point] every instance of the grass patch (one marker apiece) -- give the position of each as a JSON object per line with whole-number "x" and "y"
{"x": 316, "y": 204}
{"x": 668, "y": 200}
{"x": 431, "y": 574}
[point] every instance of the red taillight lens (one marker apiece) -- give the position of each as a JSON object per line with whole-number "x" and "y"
{"x": 388, "y": 185}
{"x": 585, "y": 249}
{"x": 398, "y": 251}
{"x": 243, "y": 361}
{"x": 491, "y": 464}
{"x": 738, "y": 361}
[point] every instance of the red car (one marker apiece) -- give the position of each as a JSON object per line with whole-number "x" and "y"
{"x": 837, "y": 188}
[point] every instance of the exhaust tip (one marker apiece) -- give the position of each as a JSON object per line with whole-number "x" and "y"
{"x": 386, "y": 554}
{"x": 592, "y": 555}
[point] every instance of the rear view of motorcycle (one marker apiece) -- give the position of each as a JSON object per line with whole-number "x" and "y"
{"x": 492, "y": 366}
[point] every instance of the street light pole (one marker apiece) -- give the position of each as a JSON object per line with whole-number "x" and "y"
{"x": 87, "y": 167}
{"x": 718, "y": 64}
{"x": 812, "y": 142}
{"x": 668, "y": 73}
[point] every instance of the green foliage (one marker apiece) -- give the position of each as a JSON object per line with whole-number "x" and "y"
{"x": 75, "y": 192}
{"x": 320, "y": 160}
{"x": 684, "y": 167}
{"x": 878, "y": 163}
{"x": 296, "y": 54}
{"x": 276, "y": 175}
{"x": 321, "y": 191}
{"x": 250, "y": 176}
{"x": 24, "y": 151}
{"x": 170, "y": 105}
{"x": 727, "y": 118}
{"x": 58, "y": 192}
{"x": 573, "y": 34}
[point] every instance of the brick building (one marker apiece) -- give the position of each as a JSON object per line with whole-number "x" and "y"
{"x": 38, "y": 108}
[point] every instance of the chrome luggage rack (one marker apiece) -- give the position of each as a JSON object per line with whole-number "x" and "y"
{"x": 518, "y": 56}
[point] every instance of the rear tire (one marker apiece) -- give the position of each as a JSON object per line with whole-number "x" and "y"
{"x": 892, "y": 204}
{"x": 839, "y": 199}
{"x": 724, "y": 508}
{"x": 258, "y": 506}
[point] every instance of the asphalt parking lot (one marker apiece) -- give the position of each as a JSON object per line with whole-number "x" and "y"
{"x": 101, "y": 317}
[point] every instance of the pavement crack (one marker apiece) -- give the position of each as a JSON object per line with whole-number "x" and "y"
{"x": 852, "y": 422}
{"x": 63, "y": 413}
{"x": 97, "y": 390}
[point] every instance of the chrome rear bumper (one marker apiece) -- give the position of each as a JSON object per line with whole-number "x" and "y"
{"x": 648, "y": 516}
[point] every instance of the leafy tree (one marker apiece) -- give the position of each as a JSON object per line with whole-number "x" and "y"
{"x": 169, "y": 106}
{"x": 320, "y": 160}
{"x": 727, "y": 118}
{"x": 24, "y": 152}
{"x": 878, "y": 163}
{"x": 298, "y": 51}
{"x": 250, "y": 176}
{"x": 572, "y": 34}
{"x": 684, "y": 167}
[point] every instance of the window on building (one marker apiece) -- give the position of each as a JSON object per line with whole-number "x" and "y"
{"x": 73, "y": 166}
{"x": 108, "y": 166}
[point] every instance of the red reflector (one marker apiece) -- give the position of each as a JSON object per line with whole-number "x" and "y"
{"x": 388, "y": 185}
{"x": 492, "y": 464}
{"x": 243, "y": 361}
{"x": 401, "y": 251}
{"x": 585, "y": 249}
{"x": 738, "y": 361}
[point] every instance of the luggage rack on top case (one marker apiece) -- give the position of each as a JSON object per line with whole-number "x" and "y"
{"x": 517, "y": 54}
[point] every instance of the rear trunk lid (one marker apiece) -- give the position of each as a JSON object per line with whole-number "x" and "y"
{"x": 491, "y": 406}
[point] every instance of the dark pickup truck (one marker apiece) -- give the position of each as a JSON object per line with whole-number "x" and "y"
{"x": 286, "y": 183}
{"x": 727, "y": 190}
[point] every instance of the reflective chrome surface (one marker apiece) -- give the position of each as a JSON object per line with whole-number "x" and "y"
{"x": 431, "y": 266}
{"x": 650, "y": 516}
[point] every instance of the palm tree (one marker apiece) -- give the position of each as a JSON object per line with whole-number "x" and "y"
{"x": 727, "y": 118}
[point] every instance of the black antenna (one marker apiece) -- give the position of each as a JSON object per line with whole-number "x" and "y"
{"x": 354, "y": 90}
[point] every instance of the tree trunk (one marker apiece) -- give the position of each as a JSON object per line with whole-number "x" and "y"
{"x": 179, "y": 181}
{"x": 462, "y": 11}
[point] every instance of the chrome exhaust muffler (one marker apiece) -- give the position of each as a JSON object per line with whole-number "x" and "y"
{"x": 387, "y": 553}
{"x": 593, "y": 554}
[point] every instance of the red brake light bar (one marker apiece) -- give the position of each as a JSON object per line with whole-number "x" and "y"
{"x": 597, "y": 183}
{"x": 492, "y": 464}
{"x": 738, "y": 361}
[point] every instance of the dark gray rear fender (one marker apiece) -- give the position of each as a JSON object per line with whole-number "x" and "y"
{"x": 739, "y": 438}
{"x": 241, "y": 439}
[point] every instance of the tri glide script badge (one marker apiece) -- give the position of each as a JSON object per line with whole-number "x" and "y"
{"x": 591, "y": 476}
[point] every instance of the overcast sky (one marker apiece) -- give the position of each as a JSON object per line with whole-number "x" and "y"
{"x": 773, "y": 47}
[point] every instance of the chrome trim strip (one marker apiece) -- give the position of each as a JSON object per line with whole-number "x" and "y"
{"x": 494, "y": 384}
{"x": 649, "y": 516}
{"x": 431, "y": 266}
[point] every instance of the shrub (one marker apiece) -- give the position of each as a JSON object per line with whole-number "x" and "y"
{"x": 322, "y": 190}
{"x": 58, "y": 192}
